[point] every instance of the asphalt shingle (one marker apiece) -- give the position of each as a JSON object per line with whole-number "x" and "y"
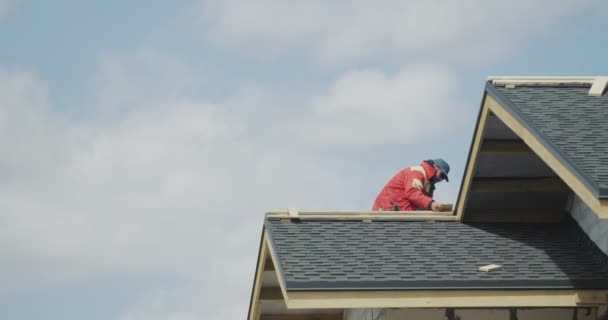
{"x": 353, "y": 255}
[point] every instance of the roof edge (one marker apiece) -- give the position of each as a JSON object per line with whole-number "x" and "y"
{"x": 368, "y": 216}
{"x": 541, "y": 80}
{"x": 469, "y": 156}
{"x": 255, "y": 278}
{"x": 511, "y": 108}
{"x": 447, "y": 285}
{"x": 598, "y": 84}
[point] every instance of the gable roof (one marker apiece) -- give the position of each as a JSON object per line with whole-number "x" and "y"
{"x": 418, "y": 255}
{"x": 549, "y": 136}
{"x": 569, "y": 121}
{"x": 535, "y": 146}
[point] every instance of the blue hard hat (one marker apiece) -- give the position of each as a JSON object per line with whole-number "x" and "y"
{"x": 444, "y": 166}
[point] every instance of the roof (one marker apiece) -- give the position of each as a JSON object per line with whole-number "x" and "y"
{"x": 568, "y": 120}
{"x": 537, "y": 152}
{"x": 410, "y": 255}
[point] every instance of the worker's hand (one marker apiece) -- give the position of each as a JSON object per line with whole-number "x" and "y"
{"x": 438, "y": 207}
{"x": 435, "y": 206}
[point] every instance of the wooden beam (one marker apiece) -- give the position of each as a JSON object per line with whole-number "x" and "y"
{"x": 372, "y": 217}
{"x": 519, "y": 185}
{"x": 593, "y": 298}
{"x": 439, "y": 298}
{"x": 336, "y": 316}
{"x": 254, "y": 308}
{"x": 258, "y": 311}
{"x": 504, "y": 146}
{"x": 600, "y": 207}
{"x": 302, "y": 214}
{"x": 367, "y": 216}
{"x": 474, "y": 152}
{"x": 515, "y": 215}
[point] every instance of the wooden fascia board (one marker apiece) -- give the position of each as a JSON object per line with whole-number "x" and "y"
{"x": 562, "y": 169}
{"x": 374, "y": 217}
{"x": 367, "y": 216}
{"x": 465, "y": 186}
{"x": 304, "y": 214}
{"x": 445, "y": 299}
{"x": 254, "y": 304}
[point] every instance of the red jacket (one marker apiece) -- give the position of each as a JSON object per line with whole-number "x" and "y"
{"x": 409, "y": 189}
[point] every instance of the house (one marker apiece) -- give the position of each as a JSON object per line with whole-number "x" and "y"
{"x": 533, "y": 201}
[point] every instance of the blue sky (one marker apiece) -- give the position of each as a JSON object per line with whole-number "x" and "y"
{"x": 143, "y": 140}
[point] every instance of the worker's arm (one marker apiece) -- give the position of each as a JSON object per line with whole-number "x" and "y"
{"x": 414, "y": 186}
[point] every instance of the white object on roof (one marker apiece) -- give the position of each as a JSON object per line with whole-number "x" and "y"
{"x": 490, "y": 267}
{"x": 598, "y": 83}
{"x": 293, "y": 213}
{"x": 598, "y": 87}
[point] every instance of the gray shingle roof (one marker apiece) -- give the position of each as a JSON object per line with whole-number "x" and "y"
{"x": 571, "y": 121}
{"x": 353, "y": 255}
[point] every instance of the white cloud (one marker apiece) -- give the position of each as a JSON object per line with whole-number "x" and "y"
{"x": 210, "y": 296}
{"x": 129, "y": 194}
{"x": 342, "y": 32}
{"x": 6, "y": 5}
{"x": 369, "y": 107}
{"x": 145, "y": 77}
{"x": 165, "y": 182}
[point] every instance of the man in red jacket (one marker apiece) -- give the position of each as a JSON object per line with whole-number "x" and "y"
{"x": 412, "y": 188}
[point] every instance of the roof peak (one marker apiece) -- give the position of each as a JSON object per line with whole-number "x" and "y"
{"x": 598, "y": 83}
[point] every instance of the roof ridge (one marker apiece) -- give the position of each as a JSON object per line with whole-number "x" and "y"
{"x": 598, "y": 83}
{"x": 542, "y": 79}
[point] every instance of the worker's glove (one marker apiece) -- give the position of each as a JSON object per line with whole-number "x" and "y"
{"x": 438, "y": 207}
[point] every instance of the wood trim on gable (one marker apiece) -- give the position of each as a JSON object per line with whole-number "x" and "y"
{"x": 255, "y": 306}
{"x": 470, "y": 168}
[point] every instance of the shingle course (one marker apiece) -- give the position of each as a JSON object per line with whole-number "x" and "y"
{"x": 350, "y": 255}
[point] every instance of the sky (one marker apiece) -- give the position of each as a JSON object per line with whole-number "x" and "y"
{"x": 143, "y": 141}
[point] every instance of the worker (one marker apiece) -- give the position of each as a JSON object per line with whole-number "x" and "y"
{"x": 412, "y": 188}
